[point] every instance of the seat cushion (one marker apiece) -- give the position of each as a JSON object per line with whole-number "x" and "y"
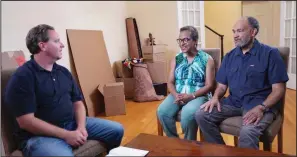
{"x": 91, "y": 148}
{"x": 232, "y": 126}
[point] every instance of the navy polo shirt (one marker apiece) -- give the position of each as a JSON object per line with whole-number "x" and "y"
{"x": 250, "y": 76}
{"x": 47, "y": 94}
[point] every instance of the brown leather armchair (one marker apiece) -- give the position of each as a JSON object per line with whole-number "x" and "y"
{"x": 91, "y": 148}
{"x": 215, "y": 53}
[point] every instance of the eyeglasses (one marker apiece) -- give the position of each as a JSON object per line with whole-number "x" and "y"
{"x": 184, "y": 40}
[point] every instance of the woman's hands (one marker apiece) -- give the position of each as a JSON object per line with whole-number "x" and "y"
{"x": 182, "y": 99}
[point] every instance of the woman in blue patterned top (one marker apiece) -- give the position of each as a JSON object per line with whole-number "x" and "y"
{"x": 191, "y": 80}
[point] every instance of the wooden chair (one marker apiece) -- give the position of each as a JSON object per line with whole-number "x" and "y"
{"x": 232, "y": 125}
{"x": 215, "y": 53}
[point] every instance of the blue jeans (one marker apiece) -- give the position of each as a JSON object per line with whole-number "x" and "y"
{"x": 167, "y": 112}
{"x": 106, "y": 131}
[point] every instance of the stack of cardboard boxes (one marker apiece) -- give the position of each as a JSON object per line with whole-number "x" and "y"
{"x": 155, "y": 58}
{"x": 125, "y": 75}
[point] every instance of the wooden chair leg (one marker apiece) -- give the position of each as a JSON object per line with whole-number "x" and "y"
{"x": 201, "y": 135}
{"x": 160, "y": 128}
{"x": 267, "y": 146}
{"x": 280, "y": 141}
{"x": 235, "y": 141}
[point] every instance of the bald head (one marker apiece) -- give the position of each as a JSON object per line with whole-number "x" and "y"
{"x": 249, "y": 21}
{"x": 245, "y": 30}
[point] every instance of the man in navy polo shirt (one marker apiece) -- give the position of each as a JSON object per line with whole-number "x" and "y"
{"x": 47, "y": 103}
{"x": 256, "y": 75}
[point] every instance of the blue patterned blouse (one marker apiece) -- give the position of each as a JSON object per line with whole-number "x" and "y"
{"x": 190, "y": 77}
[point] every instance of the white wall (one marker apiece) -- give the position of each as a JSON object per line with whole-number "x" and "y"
{"x": 19, "y": 17}
{"x": 158, "y": 18}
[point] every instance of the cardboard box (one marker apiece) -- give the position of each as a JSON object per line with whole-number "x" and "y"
{"x": 114, "y": 99}
{"x": 154, "y": 49}
{"x": 129, "y": 85}
{"x": 158, "y": 71}
{"x": 154, "y": 57}
{"x": 154, "y": 53}
{"x": 92, "y": 66}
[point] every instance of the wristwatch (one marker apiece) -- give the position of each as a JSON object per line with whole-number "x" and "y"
{"x": 265, "y": 107}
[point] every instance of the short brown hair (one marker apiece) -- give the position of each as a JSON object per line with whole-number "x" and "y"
{"x": 35, "y": 35}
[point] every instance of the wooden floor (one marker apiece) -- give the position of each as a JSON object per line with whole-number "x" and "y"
{"x": 141, "y": 118}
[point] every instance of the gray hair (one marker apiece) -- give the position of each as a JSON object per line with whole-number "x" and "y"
{"x": 35, "y": 35}
{"x": 253, "y": 22}
{"x": 194, "y": 33}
